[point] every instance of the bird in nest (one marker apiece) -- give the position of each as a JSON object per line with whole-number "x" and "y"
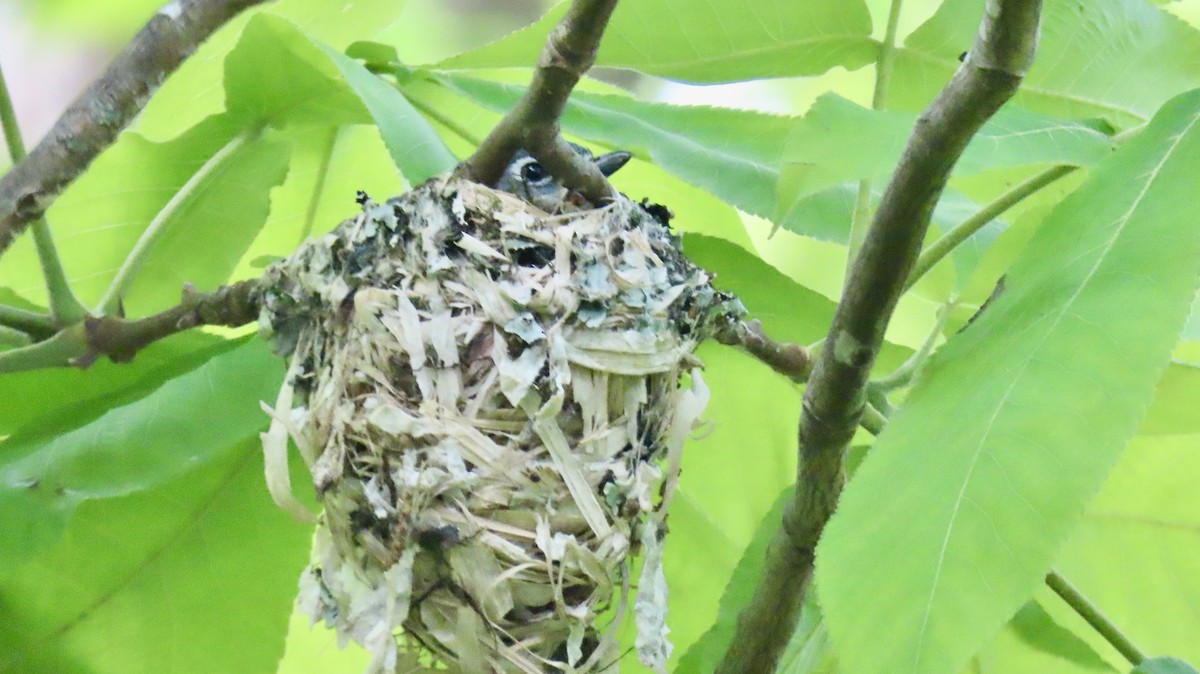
{"x": 528, "y": 179}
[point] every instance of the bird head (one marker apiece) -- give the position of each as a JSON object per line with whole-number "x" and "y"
{"x": 526, "y": 178}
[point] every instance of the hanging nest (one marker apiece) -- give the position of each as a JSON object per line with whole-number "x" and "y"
{"x": 492, "y": 403}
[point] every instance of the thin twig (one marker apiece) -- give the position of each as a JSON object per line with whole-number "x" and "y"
{"x": 64, "y": 306}
{"x": 883, "y": 78}
{"x": 835, "y": 399}
{"x": 93, "y": 121}
{"x": 952, "y": 239}
{"x": 790, "y": 360}
{"x": 1095, "y": 617}
{"x": 533, "y": 123}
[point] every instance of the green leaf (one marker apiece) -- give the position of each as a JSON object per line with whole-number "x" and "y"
{"x": 733, "y": 154}
{"x": 47, "y": 401}
{"x": 1164, "y": 666}
{"x": 280, "y": 76}
{"x": 186, "y": 422}
{"x": 1175, "y": 410}
{"x": 712, "y": 524}
{"x": 958, "y": 512}
{"x": 328, "y": 167}
{"x": 1114, "y": 59}
{"x": 277, "y": 75}
{"x": 713, "y": 41}
{"x": 210, "y": 222}
{"x": 416, "y": 148}
{"x": 194, "y": 91}
{"x": 706, "y": 653}
{"x": 839, "y": 141}
{"x": 1134, "y": 555}
{"x": 197, "y": 574}
{"x": 210, "y": 209}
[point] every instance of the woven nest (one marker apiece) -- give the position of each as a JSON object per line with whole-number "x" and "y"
{"x": 492, "y": 403}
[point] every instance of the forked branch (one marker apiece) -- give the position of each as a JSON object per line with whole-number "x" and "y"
{"x": 836, "y": 395}
{"x": 533, "y": 124}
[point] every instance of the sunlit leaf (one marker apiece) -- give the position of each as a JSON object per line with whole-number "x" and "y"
{"x": 194, "y": 91}
{"x": 960, "y": 509}
{"x": 198, "y": 574}
{"x": 278, "y": 75}
{"x": 188, "y": 421}
{"x": 709, "y": 41}
{"x": 1114, "y": 59}
{"x": 706, "y": 653}
{"x": 328, "y": 167}
{"x": 1175, "y": 410}
{"x": 1136, "y": 554}
{"x": 50, "y": 401}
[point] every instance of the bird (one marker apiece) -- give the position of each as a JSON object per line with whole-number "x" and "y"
{"x": 528, "y": 179}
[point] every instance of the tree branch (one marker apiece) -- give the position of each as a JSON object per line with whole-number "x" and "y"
{"x": 533, "y": 123}
{"x": 93, "y": 121}
{"x": 790, "y": 360}
{"x": 836, "y": 395}
{"x": 81, "y": 344}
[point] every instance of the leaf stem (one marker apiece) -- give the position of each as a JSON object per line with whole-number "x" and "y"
{"x": 57, "y": 351}
{"x": 883, "y": 78}
{"x": 64, "y": 306}
{"x": 873, "y": 420}
{"x": 31, "y": 323}
{"x": 903, "y": 375}
{"x": 110, "y": 304}
{"x": 950, "y": 240}
{"x": 1094, "y": 617}
{"x": 310, "y": 213}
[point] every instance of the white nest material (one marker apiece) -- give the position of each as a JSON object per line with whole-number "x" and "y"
{"x": 492, "y": 402}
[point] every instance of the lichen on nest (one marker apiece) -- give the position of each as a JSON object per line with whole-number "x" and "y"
{"x": 492, "y": 401}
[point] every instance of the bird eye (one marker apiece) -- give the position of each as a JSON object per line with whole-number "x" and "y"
{"x": 533, "y": 172}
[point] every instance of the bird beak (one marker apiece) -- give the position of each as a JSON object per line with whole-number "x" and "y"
{"x": 609, "y": 163}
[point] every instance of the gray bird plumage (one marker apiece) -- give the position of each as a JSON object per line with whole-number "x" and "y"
{"x": 526, "y": 178}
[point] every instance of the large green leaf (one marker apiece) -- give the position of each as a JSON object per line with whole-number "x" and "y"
{"x": 207, "y": 190}
{"x": 706, "y": 653}
{"x": 710, "y": 41}
{"x": 1137, "y": 553}
{"x": 1115, "y": 59}
{"x": 950, "y": 524}
{"x": 278, "y": 75}
{"x": 839, "y": 141}
{"x": 50, "y": 400}
{"x": 195, "y": 575}
{"x": 194, "y": 91}
{"x": 329, "y": 166}
{"x": 734, "y": 154}
{"x": 186, "y": 422}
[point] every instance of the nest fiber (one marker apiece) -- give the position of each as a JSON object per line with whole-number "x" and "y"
{"x": 492, "y": 401}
